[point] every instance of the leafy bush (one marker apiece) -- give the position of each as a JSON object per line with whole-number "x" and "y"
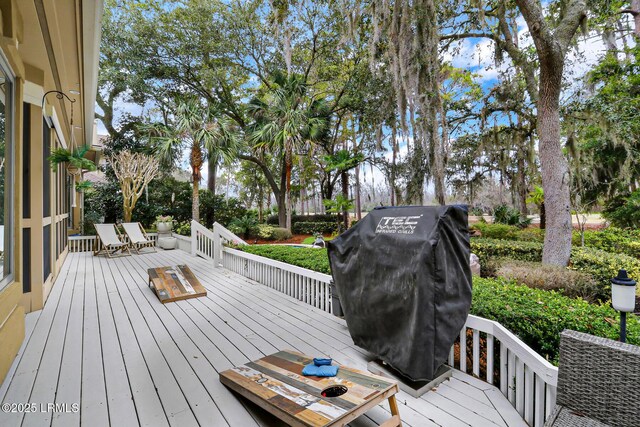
{"x": 550, "y": 277}
{"x": 263, "y": 231}
{"x": 183, "y": 228}
{"x": 313, "y": 259}
{"x": 624, "y": 211}
{"x": 611, "y": 239}
{"x": 273, "y": 219}
{"x": 280, "y": 234}
{"x": 530, "y": 235}
{"x": 504, "y": 214}
{"x": 495, "y": 248}
{"x": 245, "y": 226}
{"x": 538, "y": 316}
{"x": 304, "y": 227}
{"x": 603, "y": 266}
{"x": 496, "y": 231}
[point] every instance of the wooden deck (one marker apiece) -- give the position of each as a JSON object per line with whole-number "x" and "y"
{"x": 104, "y": 341}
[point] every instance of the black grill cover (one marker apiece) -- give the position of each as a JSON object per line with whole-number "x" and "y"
{"x": 404, "y": 282}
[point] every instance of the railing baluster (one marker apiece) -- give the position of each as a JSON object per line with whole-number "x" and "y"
{"x": 463, "y": 350}
{"x": 490, "y": 359}
{"x": 476, "y": 353}
{"x": 520, "y": 386}
{"x": 511, "y": 376}
{"x": 538, "y": 412}
{"x": 503, "y": 369}
{"x": 528, "y": 395}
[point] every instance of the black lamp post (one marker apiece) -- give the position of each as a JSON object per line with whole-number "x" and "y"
{"x": 623, "y": 299}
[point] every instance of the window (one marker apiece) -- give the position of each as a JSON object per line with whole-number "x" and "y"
{"x": 7, "y": 110}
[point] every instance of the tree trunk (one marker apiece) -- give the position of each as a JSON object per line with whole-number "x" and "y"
{"x": 344, "y": 178}
{"x": 358, "y": 201}
{"x": 195, "y": 210}
{"x": 211, "y": 179}
{"x": 196, "y": 165}
{"x": 554, "y": 166}
{"x": 543, "y": 217}
{"x": 288, "y": 167}
{"x": 551, "y": 47}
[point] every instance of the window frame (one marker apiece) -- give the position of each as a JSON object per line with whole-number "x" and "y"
{"x": 9, "y": 171}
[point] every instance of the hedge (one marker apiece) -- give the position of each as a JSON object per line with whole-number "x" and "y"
{"x": 536, "y": 316}
{"x": 312, "y": 258}
{"x": 603, "y": 266}
{"x": 611, "y": 239}
{"x": 310, "y": 227}
{"x": 273, "y": 219}
{"x": 495, "y": 248}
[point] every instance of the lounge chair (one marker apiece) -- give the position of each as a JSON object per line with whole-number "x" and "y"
{"x": 108, "y": 240}
{"x": 138, "y": 238}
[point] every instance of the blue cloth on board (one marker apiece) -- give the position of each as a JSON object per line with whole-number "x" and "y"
{"x": 320, "y": 371}
{"x": 319, "y": 361}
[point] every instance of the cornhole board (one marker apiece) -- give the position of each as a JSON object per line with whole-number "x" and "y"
{"x": 276, "y": 384}
{"x": 175, "y": 283}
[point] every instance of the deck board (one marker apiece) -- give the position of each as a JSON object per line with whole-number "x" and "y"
{"x": 104, "y": 341}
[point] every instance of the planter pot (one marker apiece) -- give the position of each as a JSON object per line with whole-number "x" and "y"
{"x": 164, "y": 227}
{"x": 73, "y": 170}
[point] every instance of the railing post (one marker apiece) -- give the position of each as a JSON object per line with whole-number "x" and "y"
{"x": 194, "y": 238}
{"x": 217, "y": 246}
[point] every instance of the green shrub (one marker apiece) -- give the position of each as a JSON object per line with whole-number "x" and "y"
{"x": 624, "y": 210}
{"x": 244, "y": 226}
{"x": 263, "y": 231}
{"x": 304, "y": 227}
{"x": 273, "y": 219}
{"x": 611, "y": 239}
{"x": 183, "y": 228}
{"x": 538, "y": 316}
{"x": 550, "y": 277}
{"x": 312, "y": 259}
{"x": 603, "y": 266}
{"x": 495, "y": 248}
{"x": 530, "y": 235}
{"x": 280, "y": 234}
{"x": 504, "y": 214}
{"x": 496, "y": 231}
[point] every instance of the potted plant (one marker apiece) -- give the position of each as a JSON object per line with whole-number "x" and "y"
{"x": 75, "y": 160}
{"x": 164, "y": 223}
{"x": 83, "y": 186}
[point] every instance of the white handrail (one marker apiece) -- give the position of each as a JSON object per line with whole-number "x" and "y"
{"x": 305, "y": 285}
{"x": 209, "y": 243}
{"x": 87, "y": 243}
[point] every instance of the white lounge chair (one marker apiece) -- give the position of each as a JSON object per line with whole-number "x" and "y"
{"x": 108, "y": 240}
{"x": 138, "y": 238}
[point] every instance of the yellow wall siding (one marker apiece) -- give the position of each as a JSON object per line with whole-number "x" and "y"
{"x": 11, "y": 326}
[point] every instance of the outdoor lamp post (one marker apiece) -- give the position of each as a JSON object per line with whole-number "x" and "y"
{"x": 623, "y": 298}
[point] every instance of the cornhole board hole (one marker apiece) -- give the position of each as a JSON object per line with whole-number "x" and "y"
{"x": 175, "y": 283}
{"x": 276, "y": 384}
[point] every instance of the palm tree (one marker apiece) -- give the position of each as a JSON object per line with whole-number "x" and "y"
{"x": 286, "y": 120}
{"x": 198, "y": 129}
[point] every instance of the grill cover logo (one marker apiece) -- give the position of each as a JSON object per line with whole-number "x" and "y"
{"x": 398, "y": 224}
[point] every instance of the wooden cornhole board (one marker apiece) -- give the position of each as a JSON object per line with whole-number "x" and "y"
{"x": 175, "y": 283}
{"x": 276, "y": 383}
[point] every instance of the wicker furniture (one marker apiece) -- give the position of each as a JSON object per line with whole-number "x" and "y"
{"x": 598, "y": 382}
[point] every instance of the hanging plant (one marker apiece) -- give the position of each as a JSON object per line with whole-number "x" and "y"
{"x": 75, "y": 160}
{"x": 82, "y": 186}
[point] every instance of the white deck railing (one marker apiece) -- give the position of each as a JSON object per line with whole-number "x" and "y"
{"x": 304, "y": 285}
{"x": 500, "y": 358}
{"x": 87, "y": 243}
{"x": 209, "y": 243}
